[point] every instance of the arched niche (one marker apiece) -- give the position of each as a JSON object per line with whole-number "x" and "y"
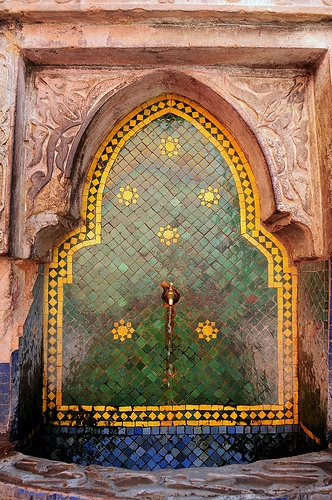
{"x": 116, "y": 106}
{"x": 232, "y": 264}
{"x": 112, "y": 107}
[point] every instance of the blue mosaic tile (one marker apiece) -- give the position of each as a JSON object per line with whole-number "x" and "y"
{"x": 4, "y": 377}
{"x": 153, "y": 451}
{"x": 5, "y": 368}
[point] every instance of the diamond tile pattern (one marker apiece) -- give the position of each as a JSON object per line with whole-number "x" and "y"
{"x": 145, "y": 449}
{"x": 230, "y": 272}
{"x": 119, "y": 280}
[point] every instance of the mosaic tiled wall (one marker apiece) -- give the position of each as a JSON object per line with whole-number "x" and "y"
{"x": 29, "y": 368}
{"x": 5, "y": 374}
{"x": 153, "y": 448}
{"x": 173, "y": 218}
{"x": 313, "y": 356}
{"x": 170, "y": 197}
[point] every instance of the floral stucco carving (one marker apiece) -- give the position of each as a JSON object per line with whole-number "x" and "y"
{"x": 277, "y": 111}
{"x": 275, "y": 108}
{"x": 60, "y": 106}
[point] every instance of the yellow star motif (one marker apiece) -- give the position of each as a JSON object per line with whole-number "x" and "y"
{"x": 127, "y": 195}
{"x": 169, "y": 146}
{"x": 209, "y": 196}
{"x": 122, "y": 331}
{"x": 168, "y": 235}
{"x": 207, "y": 330}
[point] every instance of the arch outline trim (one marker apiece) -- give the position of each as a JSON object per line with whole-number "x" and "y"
{"x": 281, "y": 275}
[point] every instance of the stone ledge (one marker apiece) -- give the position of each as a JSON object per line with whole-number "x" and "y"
{"x": 302, "y": 477}
{"x": 168, "y": 10}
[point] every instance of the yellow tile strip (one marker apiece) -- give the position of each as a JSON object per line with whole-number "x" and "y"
{"x": 310, "y": 434}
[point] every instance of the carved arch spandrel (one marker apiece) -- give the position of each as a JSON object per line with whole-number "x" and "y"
{"x": 62, "y": 104}
{"x": 72, "y": 116}
{"x": 278, "y": 109}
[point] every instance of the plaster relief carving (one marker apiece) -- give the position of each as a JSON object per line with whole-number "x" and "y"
{"x": 59, "y": 112}
{"x": 277, "y": 110}
{"x": 60, "y": 107}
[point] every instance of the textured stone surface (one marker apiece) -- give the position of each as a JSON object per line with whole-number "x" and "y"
{"x": 7, "y": 98}
{"x": 266, "y": 9}
{"x": 302, "y": 477}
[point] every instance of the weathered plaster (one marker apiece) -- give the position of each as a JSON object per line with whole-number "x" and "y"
{"x": 8, "y": 55}
{"x": 16, "y": 282}
{"x": 243, "y": 10}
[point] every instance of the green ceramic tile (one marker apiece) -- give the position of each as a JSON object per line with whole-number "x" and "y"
{"x": 214, "y": 268}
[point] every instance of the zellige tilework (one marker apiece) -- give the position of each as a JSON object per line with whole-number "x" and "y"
{"x": 234, "y": 335}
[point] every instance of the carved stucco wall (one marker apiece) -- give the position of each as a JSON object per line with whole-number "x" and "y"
{"x": 277, "y": 106}
{"x": 277, "y": 109}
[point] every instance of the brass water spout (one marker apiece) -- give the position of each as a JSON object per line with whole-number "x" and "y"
{"x": 170, "y": 295}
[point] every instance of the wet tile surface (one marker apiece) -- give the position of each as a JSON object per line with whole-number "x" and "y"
{"x": 170, "y": 197}
{"x": 175, "y": 218}
{"x": 160, "y": 448}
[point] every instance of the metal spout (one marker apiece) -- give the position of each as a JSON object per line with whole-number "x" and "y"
{"x": 170, "y": 295}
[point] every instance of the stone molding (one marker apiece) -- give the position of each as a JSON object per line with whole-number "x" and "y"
{"x": 19, "y": 5}
{"x": 8, "y": 54}
{"x": 306, "y": 476}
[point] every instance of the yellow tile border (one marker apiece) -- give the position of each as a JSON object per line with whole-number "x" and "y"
{"x": 280, "y": 274}
{"x": 310, "y": 434}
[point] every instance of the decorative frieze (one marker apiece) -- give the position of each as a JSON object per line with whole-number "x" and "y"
{"x": 60, "y": 105}
{"x": 276, "y": 108}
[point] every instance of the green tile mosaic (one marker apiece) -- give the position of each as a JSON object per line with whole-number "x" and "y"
{"x": 233, "y": 276}
{"x": 119, "y": 279}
